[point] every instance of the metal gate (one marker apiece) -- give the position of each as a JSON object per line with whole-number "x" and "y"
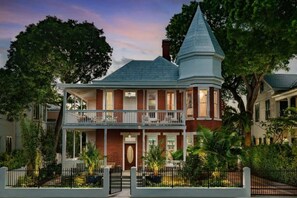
{"x": 115, "y": 179}
{"x": 274, "y": 182}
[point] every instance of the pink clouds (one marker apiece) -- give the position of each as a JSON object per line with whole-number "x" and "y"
{"x": 133, "y": 28}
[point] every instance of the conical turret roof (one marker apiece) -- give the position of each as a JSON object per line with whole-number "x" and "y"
{"x": 199, "y": 39}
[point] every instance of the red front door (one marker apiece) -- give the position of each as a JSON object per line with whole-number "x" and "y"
{"x": 130, "y": 156}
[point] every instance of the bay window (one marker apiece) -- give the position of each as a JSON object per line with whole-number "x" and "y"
{"x": 216, "y": 107}
{"x": 189, "y": 103}
{"x": 203, "y": 103}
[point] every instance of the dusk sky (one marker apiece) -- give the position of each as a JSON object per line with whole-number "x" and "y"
{"x": 133, "y": 28}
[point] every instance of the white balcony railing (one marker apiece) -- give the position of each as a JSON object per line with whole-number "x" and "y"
{"x": 124, "y": 117}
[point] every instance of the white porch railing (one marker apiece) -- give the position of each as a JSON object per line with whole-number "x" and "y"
{"x": 125, "y": 117}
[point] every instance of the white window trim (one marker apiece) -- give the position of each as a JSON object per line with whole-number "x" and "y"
{"x": 153, "y": 135}
{"x": 174, "y": 91}
{"x": 175, "y": 103}
{"x": 258, "y": 103}
{"x": 104, "y": 98}
{"x": 147, "y": 101}
{"x": 192, "y": 97}
{"x": 190, "y": 135}
{"x": 171, "y": 135}
{"x": 208, "y": 106}
{"x": 219, "y": 105}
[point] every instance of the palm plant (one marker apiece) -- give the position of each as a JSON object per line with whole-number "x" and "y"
{"x": 91, "y": 157}
{"x": 155, "y": 158}
{"x": 218, "y": 148}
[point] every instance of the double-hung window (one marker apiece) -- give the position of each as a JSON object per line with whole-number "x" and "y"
{"x": 8, "y": 144}
{"x": 267, "y": 109}
{"x": 203, "y": 103}
{"x": 216, "y": 107}
{"x": 109, "y": 103}
{"x": 152, "y": 103}
{"x": 189, "y": 103}
{"x": 257, "y": 112}
{"x": 170, "y": 103}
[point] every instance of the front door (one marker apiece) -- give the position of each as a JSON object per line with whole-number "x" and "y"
{"x": 130, "y": 103}
{"x": 130, "y": 156}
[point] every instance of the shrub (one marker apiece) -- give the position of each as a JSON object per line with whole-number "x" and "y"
{"x": 275, "y": 162}
{"x": 14, "y": 160}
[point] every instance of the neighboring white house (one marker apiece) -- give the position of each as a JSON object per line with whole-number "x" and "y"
{"x": 10, "y": 131}
{"x": 277, "y": 92}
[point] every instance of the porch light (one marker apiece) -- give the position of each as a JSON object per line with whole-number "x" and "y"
{"x": 130, "y": 94}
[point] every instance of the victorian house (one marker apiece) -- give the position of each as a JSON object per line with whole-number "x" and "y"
{"x": 147, "y": 102}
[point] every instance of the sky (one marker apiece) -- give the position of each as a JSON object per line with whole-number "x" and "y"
{"x": 133, "y": 28}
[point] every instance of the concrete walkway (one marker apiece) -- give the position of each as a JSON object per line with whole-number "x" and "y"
{"x": 124, "y": 193}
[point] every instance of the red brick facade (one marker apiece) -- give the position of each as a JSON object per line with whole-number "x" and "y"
{"x": 115, "y": 137}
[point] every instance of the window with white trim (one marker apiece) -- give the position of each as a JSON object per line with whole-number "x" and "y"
{"x": 150, "y": 141}
{"x": 170, "y": 102}
{"x": 189, "y": 103}
{"x": 8, "y": 144}
{"x": 152, "y": 102}
{"x": 170, "y": 146}
{"x": 190, "y": 139}
{"x": 203, "y": 103}
{"x": 216, "y": 107}
{"x": 109, "y": 102}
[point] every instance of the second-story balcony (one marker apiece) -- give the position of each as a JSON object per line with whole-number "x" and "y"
{"x": 124, "y": 118}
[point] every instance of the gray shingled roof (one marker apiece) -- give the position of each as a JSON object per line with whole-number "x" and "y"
{"x": 159, "y": 69}
{"x": 199, "y": 38}
{"x": 281, "y": 82}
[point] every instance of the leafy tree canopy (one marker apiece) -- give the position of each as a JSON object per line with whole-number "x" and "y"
{"x": 48, "y": 52}
{"x": 257, "y": 37}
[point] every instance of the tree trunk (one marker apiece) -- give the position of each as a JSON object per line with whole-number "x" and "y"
{"x": 58, "y": 128}
{"x": 253, "y": 86}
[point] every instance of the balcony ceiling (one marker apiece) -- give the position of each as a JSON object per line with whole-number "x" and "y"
{"x": 85, "y": 94}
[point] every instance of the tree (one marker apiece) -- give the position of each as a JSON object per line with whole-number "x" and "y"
{"x": 256, "y": 36}
{"x": 31, "y": 133}
{"x": 48, "y": 52}
{"x": 232, "y": 119}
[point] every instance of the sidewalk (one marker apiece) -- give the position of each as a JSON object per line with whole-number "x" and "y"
{"x": 124, "y": 193}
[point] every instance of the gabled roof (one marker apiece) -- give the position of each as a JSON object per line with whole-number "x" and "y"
{"x": 159, "y": 69}
{"x": 199, "y": 39}
{"x": 281, "y": 82}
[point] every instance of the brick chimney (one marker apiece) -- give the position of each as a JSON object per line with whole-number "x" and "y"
{"x": 165, "y": 47}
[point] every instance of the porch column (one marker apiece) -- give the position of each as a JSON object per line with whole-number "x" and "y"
{"x": 105, "y": 147}
{"x": 143, "y": 148}
{"x": 73, "y": 154}
{"x": 80, "y": 142}
{"x": 289, "y": 101}
{"x": 64, "y": 138}
{"x": 184, "y": 144}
